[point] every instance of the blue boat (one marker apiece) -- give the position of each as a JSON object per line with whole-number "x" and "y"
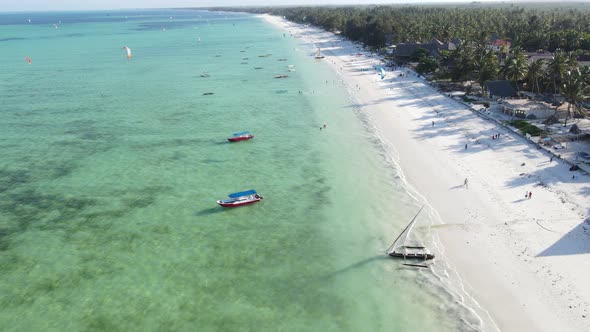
{"x": 241, "y": 198}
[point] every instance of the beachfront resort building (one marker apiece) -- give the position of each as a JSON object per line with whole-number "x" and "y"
{"x": 583, "y": 60}
{"x": 534, "y": 56}
{"x": 511, "y": 104}
{"x": 500, "y": 45}
{"x": 526, "y": 109}
{"x": 500, "y": 89}
{"x": 403, "y": 52}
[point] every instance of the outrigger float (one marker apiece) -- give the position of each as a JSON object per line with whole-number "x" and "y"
{"x": 241, "y": 198}
{"x": 241, "y": 136}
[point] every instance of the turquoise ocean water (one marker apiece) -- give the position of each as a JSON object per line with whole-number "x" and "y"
{"x": 110, "y": 168}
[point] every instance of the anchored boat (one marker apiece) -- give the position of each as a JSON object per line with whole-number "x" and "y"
{"x": 241, "y": 198}
{"x": 241, "y": 136}
{"x": 319, "y": 55}
{"x": 399, "y": 249}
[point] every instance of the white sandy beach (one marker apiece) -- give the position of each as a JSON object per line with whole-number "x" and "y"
{"x": 520, "y": 264}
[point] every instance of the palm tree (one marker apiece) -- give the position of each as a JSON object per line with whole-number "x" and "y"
{"x": 515, "y": 66}
{"x": 558, "y": 67}
{"x": 464, "y": 57}
{"x": 574, "y": 90}
{"x": 487, "y": 66}
{"x": 534, "y": 73}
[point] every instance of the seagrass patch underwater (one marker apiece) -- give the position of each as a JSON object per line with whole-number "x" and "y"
{"x": 110, "y": 168}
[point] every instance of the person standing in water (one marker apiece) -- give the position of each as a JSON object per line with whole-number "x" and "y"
{"x": 465, "y": 183}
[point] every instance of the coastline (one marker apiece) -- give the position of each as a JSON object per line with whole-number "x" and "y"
{"x": 518, "y": 264}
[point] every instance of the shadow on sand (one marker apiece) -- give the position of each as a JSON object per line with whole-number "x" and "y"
{"x": 574, "y": 242}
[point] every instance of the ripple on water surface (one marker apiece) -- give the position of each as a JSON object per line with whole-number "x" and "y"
{"x": 110, "y": 170}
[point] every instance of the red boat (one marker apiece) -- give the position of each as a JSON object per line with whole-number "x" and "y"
{"x": 241, "y": 136}
{"x": 241, "y": 198}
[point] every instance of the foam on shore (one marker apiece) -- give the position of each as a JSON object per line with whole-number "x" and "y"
{"x": 515, "y": 263}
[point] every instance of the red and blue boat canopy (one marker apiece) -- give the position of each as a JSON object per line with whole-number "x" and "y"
{"x": 242, "y": 193}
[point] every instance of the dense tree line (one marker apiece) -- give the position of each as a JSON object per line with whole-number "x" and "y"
{"x": 545, "y": 28}
{"x": 563, "y": 30}
{"x": 558, "y": 75}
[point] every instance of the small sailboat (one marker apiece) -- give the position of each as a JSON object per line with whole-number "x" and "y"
{"x": 241, "y": 198}
{"x": 399, "y": 249}
{"x": 318, "y": 54}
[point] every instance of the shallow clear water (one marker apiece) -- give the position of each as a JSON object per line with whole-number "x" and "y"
{"x": 110, "y": 168}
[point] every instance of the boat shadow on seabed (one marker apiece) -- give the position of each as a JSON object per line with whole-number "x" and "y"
{"x": 209, "y": 211}
{"x": 355, "y": 266}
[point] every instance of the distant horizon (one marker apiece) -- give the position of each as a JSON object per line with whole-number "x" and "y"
{"x": 72, "y": 5}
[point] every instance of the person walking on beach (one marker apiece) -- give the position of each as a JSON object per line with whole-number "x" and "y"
{"x": 465, "y": 183}
{"x": 551, "y": 159}
{"x": 465, "y": 146}
{"x": 433, "y": 123}
{"x": 530, "y": 194}
{"x": 526, "y": 195}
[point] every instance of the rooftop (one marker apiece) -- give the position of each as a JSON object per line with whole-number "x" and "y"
{"x": 500, "y": 88}
{"x": 501, "y": 42}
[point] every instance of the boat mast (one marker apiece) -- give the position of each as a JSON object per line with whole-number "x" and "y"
{"x": 404, "y": 231}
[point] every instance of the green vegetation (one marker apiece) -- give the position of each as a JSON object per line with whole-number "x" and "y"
{"x": 426, "y": 63}
{"x": 575, "y": 89}
{"x": 525, "y": 127}
{"x": 560, "y": 28}
{"x": 531, "y": 26}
